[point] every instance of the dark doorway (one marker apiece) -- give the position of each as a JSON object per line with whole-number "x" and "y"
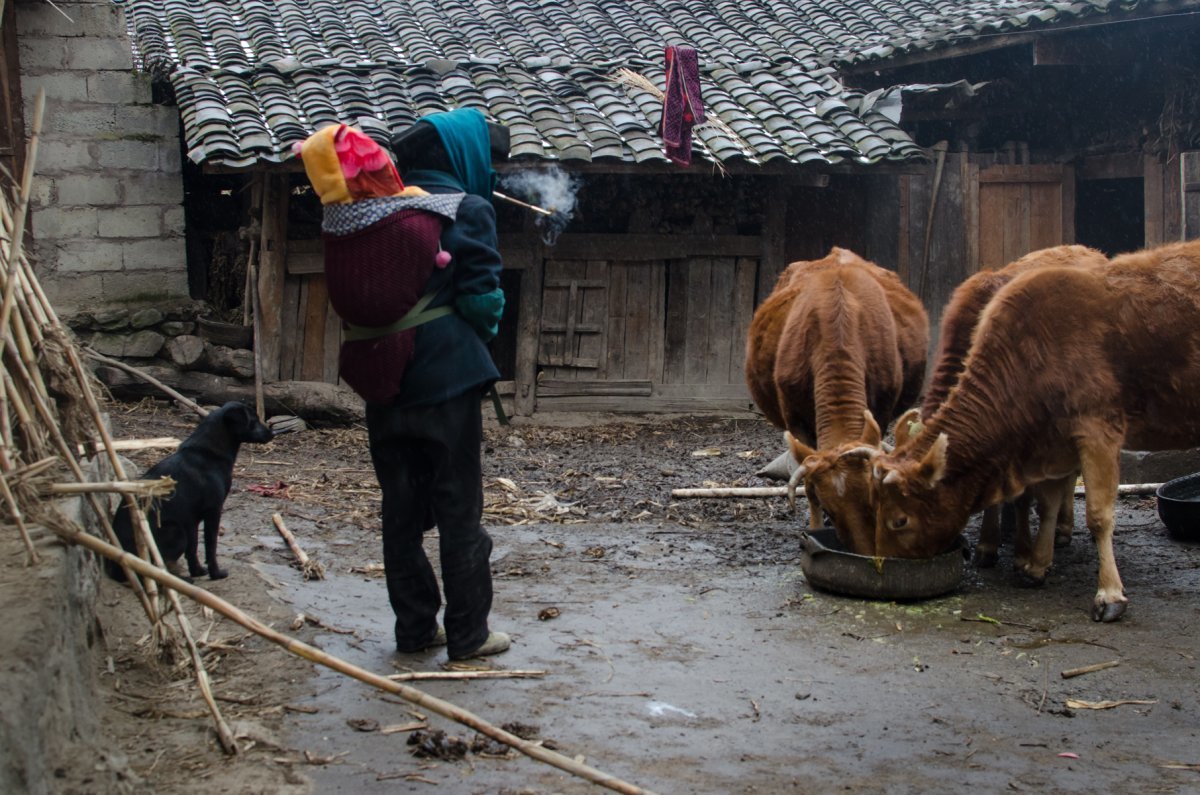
{"x": 1110, "y": 215}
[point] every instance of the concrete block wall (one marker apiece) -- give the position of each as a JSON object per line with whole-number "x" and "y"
{"x": 107, "y": 213}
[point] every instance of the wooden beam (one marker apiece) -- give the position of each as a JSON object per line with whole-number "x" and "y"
{"x": 305, "y": 257}
{"x": 1118, "y": 166}
{"x": 772, "y": 245}
{"x": 272, "y": 268}
{"x": 561, "y": 388}
{"x": 647, "y": 247}
{"x": 1152, "y": 193}
{"x": 529, "y": 317}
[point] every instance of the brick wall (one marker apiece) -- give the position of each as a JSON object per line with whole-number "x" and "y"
{"x": 107, "y": 208}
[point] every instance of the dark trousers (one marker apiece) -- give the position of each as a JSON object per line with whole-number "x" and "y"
{"x": 427, "y": 460}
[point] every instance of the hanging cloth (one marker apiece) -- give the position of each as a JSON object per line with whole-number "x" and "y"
{"x": 682, "y": 105}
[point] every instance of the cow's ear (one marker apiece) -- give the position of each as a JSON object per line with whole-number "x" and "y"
{"x": 933, "y": 465}
{"x": 871, "y": 434}
{"x": 908, "y": 426}
{"x": 800, "y": 450}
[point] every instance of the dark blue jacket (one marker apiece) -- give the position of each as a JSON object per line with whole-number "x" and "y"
{"x": 449, "y": 357}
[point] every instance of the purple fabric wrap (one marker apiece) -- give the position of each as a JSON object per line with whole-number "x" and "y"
{"x": 374, "y": 276}
{"x": 683, "y": 107}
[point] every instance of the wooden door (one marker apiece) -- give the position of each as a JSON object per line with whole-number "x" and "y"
{"x": 572, "y": 339}
{"x": 1023, "y": 209}
{"x": 1190, "y": 177}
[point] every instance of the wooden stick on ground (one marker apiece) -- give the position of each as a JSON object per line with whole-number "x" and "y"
{"x": 311, "y": 569}
{"x": 1089, "y": 669}
{"x": 315, "y": 655}
{"x": 421, "y": 676}
{"x": 736, "y": 491}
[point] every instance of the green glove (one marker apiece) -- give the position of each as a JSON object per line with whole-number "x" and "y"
{"x": 482, "y": 312}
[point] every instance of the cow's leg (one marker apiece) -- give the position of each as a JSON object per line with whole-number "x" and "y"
{"x": 1065, "y": 527}
{"x": 1023, "y": 533}
{"x": 987, "y": 551}
{"x": 1099, "y": 450}
{"x": 1042, "y": 554}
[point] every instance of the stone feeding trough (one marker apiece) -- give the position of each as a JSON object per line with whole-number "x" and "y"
{"x": 829, "y": 567}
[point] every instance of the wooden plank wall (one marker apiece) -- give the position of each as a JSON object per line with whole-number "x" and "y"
{"x": 673, "y": 333}
{"x": 1190, "y": 194}
{"x": 310, "y": 331}
{"x": 635, "y": 321}
{"x": 933, "y": 259}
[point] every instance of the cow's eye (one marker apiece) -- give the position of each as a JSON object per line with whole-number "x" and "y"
{"x": 900, "y": 523}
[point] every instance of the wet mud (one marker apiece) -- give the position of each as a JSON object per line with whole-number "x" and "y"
{"x": 681, "y": 649}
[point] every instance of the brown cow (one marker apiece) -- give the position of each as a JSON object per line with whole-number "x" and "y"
{"x": 958, "y": 323}
{"x": 839, "y": 341}
{"x": 1067, "y": 367}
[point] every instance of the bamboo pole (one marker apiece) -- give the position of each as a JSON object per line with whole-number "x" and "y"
{"x": 315, "y": 655}
{"x": 311, "y": 569}
{"x": 128, "y": 445}
{"x": 10, "y": 286}
{"x": 182, "y": 400}
{"x": 14, "y": 507}
{"x": 1089, "y": 669}
{"x": 140, "y": 488}
{"x": 736, "y": 491}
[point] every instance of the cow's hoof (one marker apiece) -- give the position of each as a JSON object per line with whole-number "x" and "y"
{"x": 986, "y": 559}
{"x": 1062, "y": 542}
{"x": 1027, "y": 579}
{"x": 1108, "y": 611}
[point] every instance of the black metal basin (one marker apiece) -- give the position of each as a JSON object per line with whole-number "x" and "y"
{"x": 1179, "y": 507}
{"x": 828, "y": 566}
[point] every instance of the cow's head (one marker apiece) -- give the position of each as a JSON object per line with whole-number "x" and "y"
{"x": 838, "y": 480}
{"x": 916, "y": 516}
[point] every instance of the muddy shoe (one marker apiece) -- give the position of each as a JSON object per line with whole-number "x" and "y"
{"x": 438, "y": 639}
{"x": 496, "y": 643}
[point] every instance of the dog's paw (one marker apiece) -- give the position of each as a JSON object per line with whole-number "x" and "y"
{"x": 215, "y": 573}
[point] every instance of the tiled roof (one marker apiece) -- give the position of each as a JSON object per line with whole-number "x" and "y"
{"x": 253, "y": 76}
{"x": 948, "y": 22}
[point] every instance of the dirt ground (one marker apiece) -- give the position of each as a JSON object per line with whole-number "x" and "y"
{"x": 677, "y": 644}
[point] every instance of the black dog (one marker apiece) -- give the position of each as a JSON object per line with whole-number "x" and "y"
{"x": 203, "y": 471}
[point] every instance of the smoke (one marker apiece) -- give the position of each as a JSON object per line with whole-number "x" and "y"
{"x": 551, "y": 188}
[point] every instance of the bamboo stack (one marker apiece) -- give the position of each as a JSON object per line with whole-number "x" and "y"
{"x": 48, "y": 408}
